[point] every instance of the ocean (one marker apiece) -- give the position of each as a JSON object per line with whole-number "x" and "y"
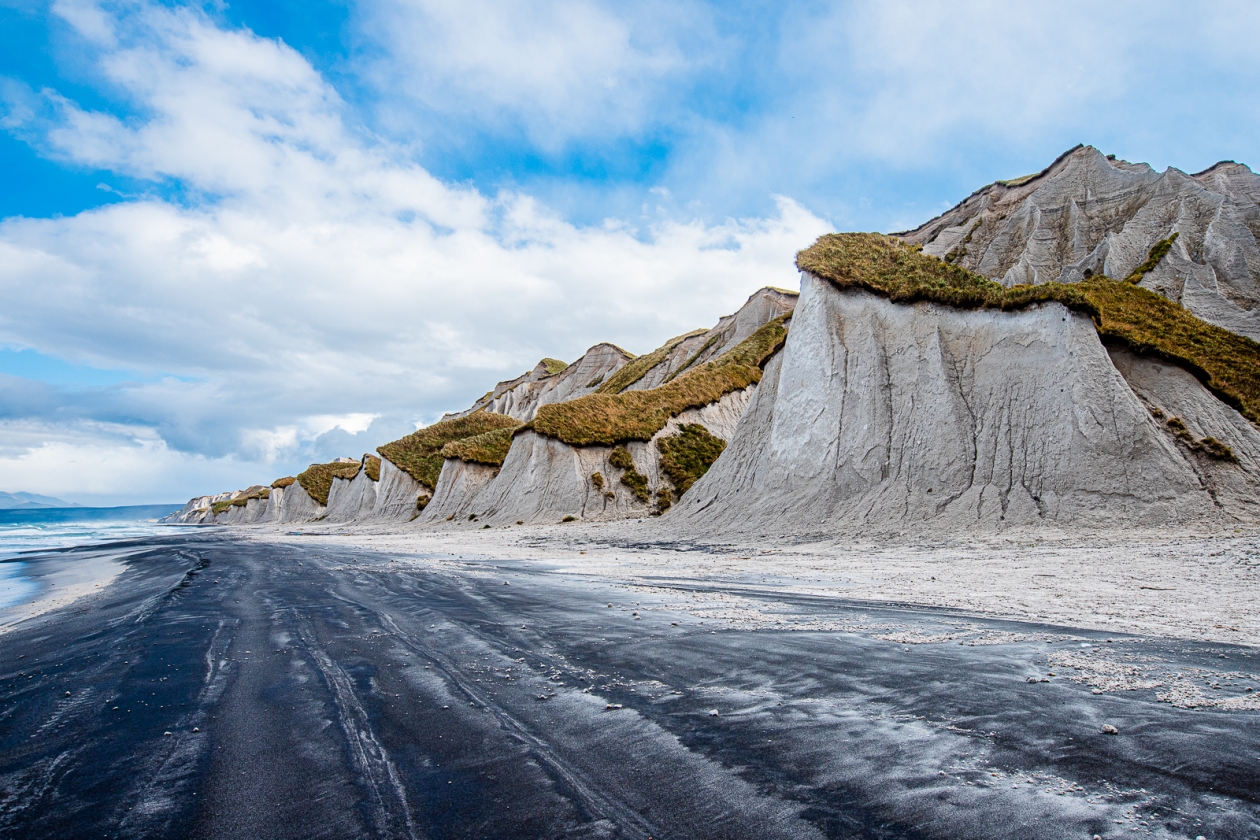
{"x": 44, "y": 529}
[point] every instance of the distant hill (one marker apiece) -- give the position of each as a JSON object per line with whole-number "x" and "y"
{"x": 31, "y": 501}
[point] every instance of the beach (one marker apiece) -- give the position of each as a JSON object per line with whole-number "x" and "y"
{"x": 580, "y": 683}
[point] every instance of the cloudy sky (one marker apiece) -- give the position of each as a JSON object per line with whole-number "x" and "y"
{"x": 236, "y": 237}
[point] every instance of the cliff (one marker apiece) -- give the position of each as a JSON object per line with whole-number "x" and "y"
{"x": 995, "y": 411}
{"x": 1070, "y": 350}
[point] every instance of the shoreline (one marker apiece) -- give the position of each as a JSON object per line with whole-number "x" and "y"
{"x": 61, "y": 579}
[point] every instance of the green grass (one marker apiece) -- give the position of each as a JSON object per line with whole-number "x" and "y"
{"x": 283, "y": 482}
{"x": 486, "y": 448}
{"x": 664, "y": 501}
{"x": 1158, "y": 251}
{"x": 1227, "y": 364}
{"x": 317, "y": 479}
{"x": 242, "y": 500}
{"x": 637, "y": 482}
{"x": 553, "y": 366}
{"x": 638, "y": 366}
{"x": 621, "y": 458}
{"x": 607, "y": 419}
{"x": 372, "y": 466}
{"x": 419, "y": 454}
{"x": 688, "y": 455}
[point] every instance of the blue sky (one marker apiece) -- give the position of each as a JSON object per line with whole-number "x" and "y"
{"x": 237, "y": 237}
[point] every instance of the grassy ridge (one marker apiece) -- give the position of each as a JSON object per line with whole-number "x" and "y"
{"x": 372, "y": 466}
{"x": 1226, "y": 363}
{"x": 553, "y": 366}
{"x": 640, "y": 365}
{"x": 487, "y": 448}
{"x": 419, "y": 454}
{"x": 603, "y": 418}
{"x": 242, "y": 500}
{"x": 317, "y": 479}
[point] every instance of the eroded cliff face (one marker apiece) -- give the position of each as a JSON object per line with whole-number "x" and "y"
{"x": 521, "y": 398}
{"x": 397, "y": 494}
{"x": 545, "y": 480}
{"x": 883, "y": 417}
{"x": 1088, "y": 214}
{"x": 350, "y": 500}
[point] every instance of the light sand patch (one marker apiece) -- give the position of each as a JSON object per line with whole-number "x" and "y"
{"x": 1144, "y": 583}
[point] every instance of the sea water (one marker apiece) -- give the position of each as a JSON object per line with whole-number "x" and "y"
{"x": 27, "y": 531}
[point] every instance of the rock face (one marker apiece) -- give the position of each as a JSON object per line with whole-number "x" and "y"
{"x": 545, "y": 480}
{"x": 397, "y": 494}
{"x": 879, "y": 417}
{"x": 352, "y": 499}
{"x": 521, "y": 398}
{"x": 1088, "y": 214}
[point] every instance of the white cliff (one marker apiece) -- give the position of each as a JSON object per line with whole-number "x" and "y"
{"x": 885, "y": 417}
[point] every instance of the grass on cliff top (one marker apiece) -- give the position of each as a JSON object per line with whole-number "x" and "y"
{"x": 602, "y": 418}
{"x": 553, "y": 366}
{"x": 372, "y": 466}
{"x": 489, "y": 448}
{"x": 283, "y": 482}
{"x": 419, "y": 454}
{"x": 1226, "y": 363}
{"x": 317, "y": 479}
{"x": 242, "y": 500}
{"x": 640, "y": 365}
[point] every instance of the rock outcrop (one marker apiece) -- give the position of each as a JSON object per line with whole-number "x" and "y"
{"x": 544, "y": 478}
{"x": 883, "y": 417}
{"x": 521, "y": 398}
{"x": 1089, "y": 214}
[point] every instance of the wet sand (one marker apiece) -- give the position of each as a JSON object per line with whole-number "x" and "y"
{"x": 314, "y": 689}
{"x": 61, "y": 578}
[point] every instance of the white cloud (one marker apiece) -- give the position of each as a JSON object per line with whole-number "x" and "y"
{"x": 320, "y": 288}
{"x": 106, "y": 464}
{"x": 557, "y": 68}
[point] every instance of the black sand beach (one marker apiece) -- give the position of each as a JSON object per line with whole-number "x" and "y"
{"x": 224, "y": 688}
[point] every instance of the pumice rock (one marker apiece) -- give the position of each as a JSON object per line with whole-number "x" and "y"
{"x": 889, "y": 417}
{"x": 1088, "y": 214}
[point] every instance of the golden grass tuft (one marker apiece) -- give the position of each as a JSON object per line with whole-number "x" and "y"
{"x": 419, "y": 454}
{"x": 1226, "y": 363}
{"x": 686, "y": 456}
{"x": 486, "y": 448}
{"x": 287, "y": 481}
{"x": 553, "y": 366}
{"x": 372, "y": 466}
{"x": 602, "y": 418}
{"x": 317, "y": 479}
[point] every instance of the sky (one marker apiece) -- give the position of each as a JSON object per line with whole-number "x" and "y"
{"x": 240, "y": 237}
